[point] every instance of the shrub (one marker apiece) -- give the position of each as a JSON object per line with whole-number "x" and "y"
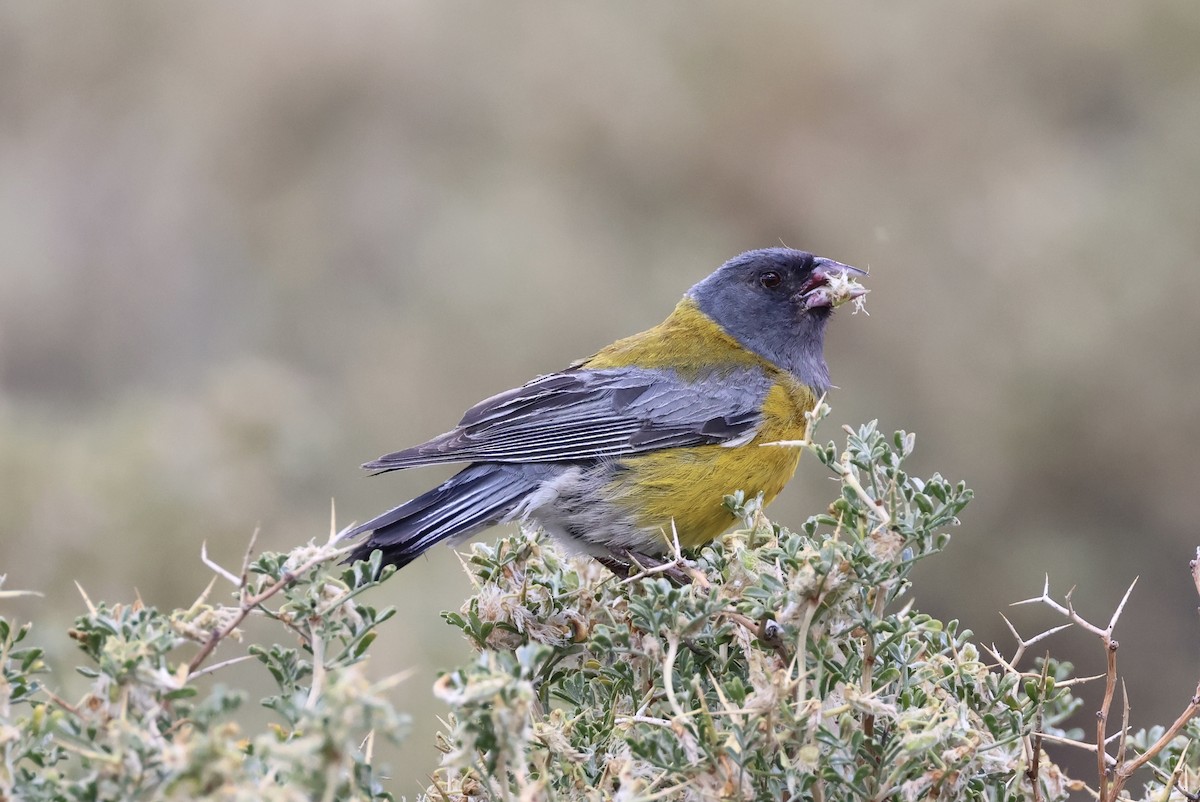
{"x": 790, "y": 667}
{"x": 145, "y": 731}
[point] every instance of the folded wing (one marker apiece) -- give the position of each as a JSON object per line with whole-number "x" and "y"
{"x": 593, "y": 414}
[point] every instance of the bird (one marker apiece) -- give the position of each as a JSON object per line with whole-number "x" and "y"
{"x": 631, "y": 451}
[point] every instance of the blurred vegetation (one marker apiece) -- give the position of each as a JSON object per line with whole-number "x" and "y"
{"x": 245, "y": 250}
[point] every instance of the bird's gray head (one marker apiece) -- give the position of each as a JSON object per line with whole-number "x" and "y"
{"x": 776, "y": 302}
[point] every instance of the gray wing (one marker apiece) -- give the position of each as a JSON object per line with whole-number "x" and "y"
{"x": 591, "y": 414}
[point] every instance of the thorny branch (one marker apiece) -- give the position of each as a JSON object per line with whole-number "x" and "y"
{"x": 248, "y": 601}
{"x": 1113, "y": 772}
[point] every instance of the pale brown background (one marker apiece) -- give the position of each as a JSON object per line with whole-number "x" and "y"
{"x": 245, "y": 248}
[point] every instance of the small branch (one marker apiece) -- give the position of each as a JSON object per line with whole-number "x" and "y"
{"x": 868, "y": 668}
{"x": 786, "y": 444}
{"x": 1010, "y": 668}
{"x": 1069, "y": 610}
{"x": 1068, "y": 683}
{"x": 1084, "y": 745}
{"x": 658, "y": 722}
{"x": 1124, "y": 741}
{"x": 318, "y": 675}
{"x": 1023, "y": 644}
{"x": 13, "y": 594}
{"x": 800, "y": 658}
{"x": 63, "y": 703}
{"x": 202, "y": 599}
{"x": 676, "y": 561}
{"x": 1110, "y": 685}
{"x": 248, "y": 603}
{"x": 818, "y": 411}
{"x": 876, "y": 506}
{"x": 214, "y": 567}
{"x": 1125, "y": 771}
{"x": 669, "y": 674}
{"x": 1035, "y": 757}
{"x": 297, "y": 631}
{"x": 218, "y": 666}
{"x": 1122, "y": 769}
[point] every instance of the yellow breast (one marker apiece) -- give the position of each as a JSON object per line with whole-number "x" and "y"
{"x": 687, "y": 486}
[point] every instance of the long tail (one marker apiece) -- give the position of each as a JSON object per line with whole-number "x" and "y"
{"x": 473, "y": 499}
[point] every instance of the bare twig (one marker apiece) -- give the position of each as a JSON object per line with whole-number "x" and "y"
{"x": 1010, "y": 666}
{"x": 1110, "y": 676}
{"x": 1069, "y": 610}
{"x": 819, "y": 411}
{"x": 1110, "y": 685}
{"x": 63, "y": 703}
{"x": 1123, "y": 742}
{"x": 318, "y": 671}
{"x": 1113, "y": 773}
{"x": 675, "y": 563}
{"x": 1126, "y": 770}
{"x": 786, "y": 444}
{"x": 13, "y": 594}
{"x": 1084, "y": 745}
{"x": 1023, "y": 643}
{"x": 213, "y": 566}
{"x": 218, "y": 666}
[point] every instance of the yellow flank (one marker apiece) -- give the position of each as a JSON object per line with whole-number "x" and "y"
{"x": 687, "y": 486}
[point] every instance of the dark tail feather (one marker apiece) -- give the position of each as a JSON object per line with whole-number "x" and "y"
{"x": 472, "y": 499}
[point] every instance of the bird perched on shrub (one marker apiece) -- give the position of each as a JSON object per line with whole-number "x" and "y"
{"x": 640, "y": 442}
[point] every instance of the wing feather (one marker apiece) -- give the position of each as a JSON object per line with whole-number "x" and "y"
{"x": 593, "y": 414}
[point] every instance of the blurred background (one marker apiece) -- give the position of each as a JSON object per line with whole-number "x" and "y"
{"x": 245, "y": 248}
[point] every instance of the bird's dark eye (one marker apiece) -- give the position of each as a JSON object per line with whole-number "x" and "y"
{"x": 770, "y": 279}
